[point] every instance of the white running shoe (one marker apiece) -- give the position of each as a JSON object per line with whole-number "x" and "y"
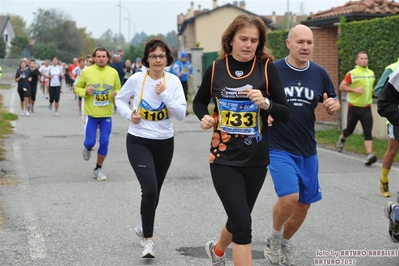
{"x": 56, "y": 114}
{"x": 99, "y": 175}
{"x": 22, "y": 113}
{"x": 139, "y": 232}
{"x": 148, "y": 251}
{"x": 27, "y": 113}
{"x": 215, "y": 259}
{"x": 273, "y": 249}
{"x": 287, "y": 255}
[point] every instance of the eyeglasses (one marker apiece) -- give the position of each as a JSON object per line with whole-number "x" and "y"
{"x": 153, "y": 56}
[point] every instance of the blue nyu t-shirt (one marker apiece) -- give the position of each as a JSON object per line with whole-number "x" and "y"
{"x": 304, "y": 89}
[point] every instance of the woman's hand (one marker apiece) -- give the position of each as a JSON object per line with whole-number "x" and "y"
{"x": 207, "y": 122}
{"x": 257, "y": 98}
{"x": 159, "y": 88}
{"x": 136, "y": 118}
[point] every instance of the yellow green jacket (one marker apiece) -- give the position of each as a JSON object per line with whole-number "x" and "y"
{"x": 361, "y": 77}
{"x": 105, "y": 81}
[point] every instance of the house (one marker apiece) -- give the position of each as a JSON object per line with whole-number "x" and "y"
{"x": 204, "y": 28}
{"x": 282, "y": 19}
{"x": 324, "y": 25}
{"x": 7, "y": 31}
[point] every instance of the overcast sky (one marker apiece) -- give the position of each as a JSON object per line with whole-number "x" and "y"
{"x": 149, "y": 16}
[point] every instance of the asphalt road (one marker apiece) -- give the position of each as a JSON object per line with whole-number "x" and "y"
{"x": 56, "y": 213}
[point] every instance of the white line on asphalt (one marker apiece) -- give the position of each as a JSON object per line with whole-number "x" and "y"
{"x": 12, "y": 101}
{"x": 34, "y": 233}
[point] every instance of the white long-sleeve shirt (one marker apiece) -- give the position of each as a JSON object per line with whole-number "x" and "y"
{"x": 172, "y": 97}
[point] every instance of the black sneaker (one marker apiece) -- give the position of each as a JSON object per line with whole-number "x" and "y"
{"x": 392, "y": 213}
{"x": 371, "y": 158}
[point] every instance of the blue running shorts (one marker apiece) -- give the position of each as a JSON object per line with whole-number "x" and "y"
{"x": 295, "y": 174}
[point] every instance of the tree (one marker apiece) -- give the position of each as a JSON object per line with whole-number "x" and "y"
{"x": 43, "y": 24}
{"x": 88, "y": 41}
{"x": 2, "y": 47}
{"x": 172, "y": 40}
{"x": 52, "y": 26}
{"x": 133, "y": 52}
{"x": 18, "y": 44}
{"x": 107, "y": 36}
{"x": 19, "y": 25}
{"x": 45, "y": 50}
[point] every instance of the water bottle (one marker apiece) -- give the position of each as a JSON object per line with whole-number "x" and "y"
{"x": 23, "y": 75}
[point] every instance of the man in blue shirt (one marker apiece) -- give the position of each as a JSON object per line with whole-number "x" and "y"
{"x": 184, "y": 70}
{"x": 119, "y": 65}
{"x": 293, "y": 152}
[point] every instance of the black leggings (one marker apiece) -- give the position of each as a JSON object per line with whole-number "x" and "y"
{"x": 150, "y": 160}
{"x": 54, "y": 94}
{"x": 238, "y": 189}
{"x": 366, "y": 119}
{"x": 185, "y": 88}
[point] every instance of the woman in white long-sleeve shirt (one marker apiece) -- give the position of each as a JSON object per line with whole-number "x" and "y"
{"x": 157, "y": 97}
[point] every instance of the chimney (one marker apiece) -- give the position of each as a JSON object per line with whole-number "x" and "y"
{"x": 242, "y": 4}
{"x": 235, "y": 3}
{"x": 192, "y": 7}
{"x": 199, "y": 7}
{"x": 215, "y": 3}
{"x": 274, "y": 17}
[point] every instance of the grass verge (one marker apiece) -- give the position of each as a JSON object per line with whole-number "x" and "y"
{"x": 5, "y": 125}
{"x": 353, "y": 144}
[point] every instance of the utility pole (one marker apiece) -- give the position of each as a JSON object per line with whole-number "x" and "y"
{"x": 120, "y": 21}
{"x": 288, "y": 14}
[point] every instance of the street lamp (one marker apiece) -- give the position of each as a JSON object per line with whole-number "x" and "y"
{"x": 134, "y": 26}
{"x": 128, "y": 14}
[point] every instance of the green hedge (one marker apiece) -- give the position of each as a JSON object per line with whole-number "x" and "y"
{"x": 276, "y": 42}
{"x": 378, "y": 37}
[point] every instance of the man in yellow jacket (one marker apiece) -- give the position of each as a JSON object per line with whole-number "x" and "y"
{"x": 359, "y": 83}
{"x": 98, "y": 86}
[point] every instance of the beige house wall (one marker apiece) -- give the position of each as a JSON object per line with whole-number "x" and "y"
{"x": 207, "y": 29}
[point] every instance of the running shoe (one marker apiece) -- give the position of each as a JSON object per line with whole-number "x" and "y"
{"x": 86, "y": 154}
{"x": 99, "y": 175}
{"x": 340, "y": 145}
{"x": 287, "y": 254}
{"x": 392, "y": 213}
{"x": 215, "y": 259}
{"x": 28, "y": 108}
{"x": 370, "y": 159}
{"x": 56, "y": 114}
{"x": 139, "y": 232}
{"x": 50, "y": 106}
{"x": 27, "y": 113}
{"x": 31, "y": 110}
{"x": 22, "y": 113}
{"x": 384, "y": 189}
{"x": 148, "y": 251}
{"x": 272, "y": 250}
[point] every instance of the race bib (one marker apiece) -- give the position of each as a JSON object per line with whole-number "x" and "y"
{"x": 238, "y": 117}
{"x": 185, "y": 70}
{"x": 101, "y": 98}
{"x": 153, "y": 114}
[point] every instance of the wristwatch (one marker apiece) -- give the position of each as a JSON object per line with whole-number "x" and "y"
{"x": 267, "y": 104}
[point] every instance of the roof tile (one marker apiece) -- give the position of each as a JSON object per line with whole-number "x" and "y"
{"x": 360, "y": 6}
